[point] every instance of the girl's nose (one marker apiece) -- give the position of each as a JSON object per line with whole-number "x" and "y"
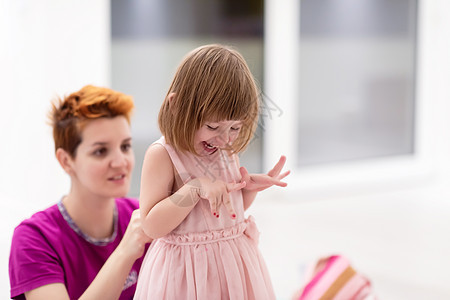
{"x": 224, "y": 138}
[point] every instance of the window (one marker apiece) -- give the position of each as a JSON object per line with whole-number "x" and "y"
{"x": 344, "y": 76}
{"x": 357, "y": 80}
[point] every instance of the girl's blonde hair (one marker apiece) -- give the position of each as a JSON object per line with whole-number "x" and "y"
{"x": 69, "y": 115}
{"x": 212, "y": 84}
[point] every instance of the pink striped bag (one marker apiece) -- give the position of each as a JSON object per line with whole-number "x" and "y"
{"x": 333, "y": 278}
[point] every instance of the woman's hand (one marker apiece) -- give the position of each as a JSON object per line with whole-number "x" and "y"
{"x": 217, "y": 193}
{"x": 260, "y": 182}
{"x": 134, "y": 239}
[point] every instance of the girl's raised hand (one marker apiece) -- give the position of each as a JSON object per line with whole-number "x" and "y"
{"x": 217, "y": 193}
{"x": 260, "y": 182}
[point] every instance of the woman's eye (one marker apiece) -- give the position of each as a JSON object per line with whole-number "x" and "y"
{"x": 126, "y": 147}
{"x": 100, "y": 152}
{"x": 211, "y": 127}
{"x": 235, "y": 128}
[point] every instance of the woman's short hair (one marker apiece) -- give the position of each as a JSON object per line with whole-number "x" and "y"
{"x": 69, "y": 115}
{"x": 213, "y": 83}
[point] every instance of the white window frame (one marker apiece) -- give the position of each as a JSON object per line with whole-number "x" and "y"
{"x": 281, "y": 75}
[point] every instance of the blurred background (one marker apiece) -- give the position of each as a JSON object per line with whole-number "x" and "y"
{"x": 355, "y": 93}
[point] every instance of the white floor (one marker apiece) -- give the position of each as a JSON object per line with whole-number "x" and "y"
{"x": 399, "y": 239}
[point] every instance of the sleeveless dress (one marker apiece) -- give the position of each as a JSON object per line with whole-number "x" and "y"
{"x": 206, "y": 257}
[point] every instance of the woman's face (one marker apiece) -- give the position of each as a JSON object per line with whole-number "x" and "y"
{"x": 214, "y": 135}
{"x": 104, "y": 159}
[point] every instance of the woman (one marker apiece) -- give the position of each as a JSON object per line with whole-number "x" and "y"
{"x": 90, "y": 244}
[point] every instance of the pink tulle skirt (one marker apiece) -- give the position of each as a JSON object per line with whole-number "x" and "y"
{"x": 222, "y": 264}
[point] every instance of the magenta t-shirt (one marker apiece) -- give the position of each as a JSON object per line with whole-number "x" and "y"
{"x": 50, "y": 248}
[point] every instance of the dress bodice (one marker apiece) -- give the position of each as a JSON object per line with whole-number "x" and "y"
{"x": 218, "y": 166}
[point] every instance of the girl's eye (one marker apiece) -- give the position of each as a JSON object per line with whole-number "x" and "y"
{"x": 235, "y": 128}
{"x": 126, "y": 147}
{"x": 211, "y": 127}
{"x": 100, "y": 152}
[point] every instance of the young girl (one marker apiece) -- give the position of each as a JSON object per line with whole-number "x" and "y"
{"x": 193, "y": 192}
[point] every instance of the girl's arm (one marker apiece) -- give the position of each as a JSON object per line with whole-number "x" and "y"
{"x": 163, "y": 211}
{"x": 259, "y": 182}
{"x": 248, "y": 197}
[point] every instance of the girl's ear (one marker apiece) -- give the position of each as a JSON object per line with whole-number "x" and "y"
{"x": 64, "y": 159}
{"x": 172, "y": 98}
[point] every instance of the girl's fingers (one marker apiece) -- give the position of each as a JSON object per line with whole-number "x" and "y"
{"x": 218, "y": 204}
{"x": 224, "y": 197}
{"x": 235, "y": 186}
{"x": 266, "y": 182}
{"x": 284, "y": 174}
{"x": 244, "y": 173}
{"x": 280, "y": 183}
{"x": 229, "y": 205}
{"x": 213, "y": 203}
{"x": 226, "y": 201}
{"x": 278, "y": 167}
{"x": 273, "y": 181}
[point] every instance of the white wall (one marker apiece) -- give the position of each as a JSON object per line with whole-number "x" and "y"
{"x": 47, "y": 48}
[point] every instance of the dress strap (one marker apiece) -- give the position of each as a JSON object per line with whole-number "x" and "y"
{"x": 176, "y": 160}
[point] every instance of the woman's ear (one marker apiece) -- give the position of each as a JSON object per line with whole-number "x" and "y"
{"x": 64, "y": 159}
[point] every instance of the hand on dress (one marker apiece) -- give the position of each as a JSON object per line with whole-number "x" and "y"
{"x": 260, "y": 182}
{"x": 217, "y": 193}
{"x": 134, "y": 239}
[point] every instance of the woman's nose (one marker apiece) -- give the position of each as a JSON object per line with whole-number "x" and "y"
{"x": 118, "y": 160}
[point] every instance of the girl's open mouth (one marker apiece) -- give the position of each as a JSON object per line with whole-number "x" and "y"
{"x": 209, "y": 148}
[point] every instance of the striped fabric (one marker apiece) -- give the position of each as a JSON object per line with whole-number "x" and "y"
{"x": 333, "y": 278}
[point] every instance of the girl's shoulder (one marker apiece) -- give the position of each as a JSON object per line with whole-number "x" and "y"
{"x": 161, "y": 152}
{"x": 160, "y": 149}
{"x": 158, "y": 163}
{"x": 158, "y": 152}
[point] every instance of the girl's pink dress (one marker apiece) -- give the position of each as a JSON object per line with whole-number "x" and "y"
{"x": 206, "y": 257}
